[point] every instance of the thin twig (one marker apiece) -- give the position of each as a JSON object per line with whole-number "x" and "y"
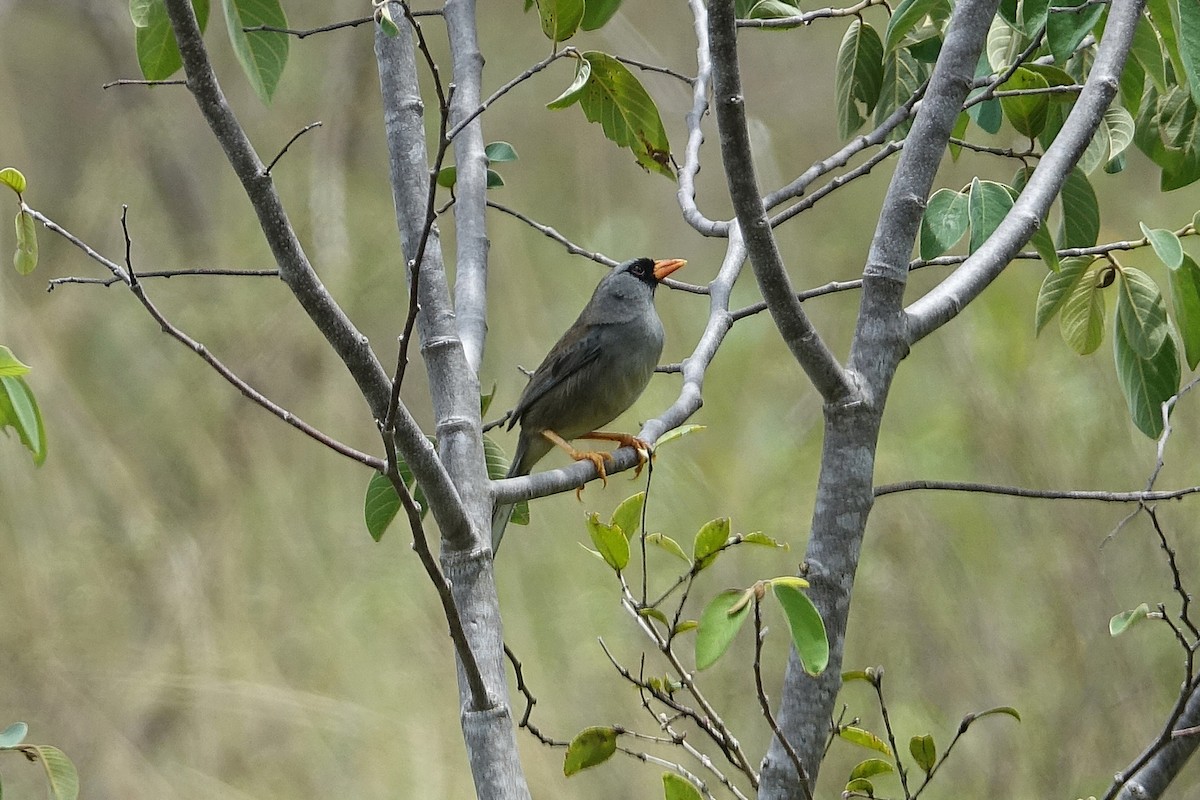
{"x": 290, "y": 142}
{"x": 167, "y": 273}
{"x": 530, "y": 702}
{"x": 126, "y": 276}
{"x": 1041, "y": 494}
{"x": 507, "y": 87}
{"x": 142, "y": 82}
{"x": 765, "y": 704}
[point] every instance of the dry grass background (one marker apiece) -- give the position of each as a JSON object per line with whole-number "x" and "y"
{"x": 191, "y": 607}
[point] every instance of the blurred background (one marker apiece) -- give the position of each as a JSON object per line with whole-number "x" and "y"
{"x": 190, "y": 605}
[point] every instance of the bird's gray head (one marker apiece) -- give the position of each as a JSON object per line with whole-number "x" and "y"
{"x": 647, "y": 270}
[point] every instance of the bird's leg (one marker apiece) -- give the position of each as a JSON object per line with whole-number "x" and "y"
{"x": 596, "y": 458}
{"x": 640, "y": 446}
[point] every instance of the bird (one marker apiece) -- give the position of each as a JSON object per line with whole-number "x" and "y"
{"x": 595, "y": 371}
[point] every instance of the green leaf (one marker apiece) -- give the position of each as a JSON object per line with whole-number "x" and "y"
{"x": 808, "y": 630}
{"x": 1126, "y": 619}
{"x": 60, "y": 772}
{"x": 1120, "y": 127}
{"x": 583, "y": 74}
{"x": 447, "y": 177}
{"x": 654, "y": 613}
{"x": 1057, "y": 287}
{"x": 944, "y": 222}
{"x": 380, "y": 505}
{"x": 1081, "y": 212}
{"x": 560, "y": 18}
{"x": 870, "y": 768}
{"x": 1163, "y": 14}
{"x": 154, "y": 40}
{"x": 677, "y": 433}
{"x": 860, "y": 786}
{"x": 793, "y": 581}
{"x": 10, "y": 364}
{"x": 1189, "y": 44}
{"x": 14, "y": 734}
{"x": 1146, "y": 382}
{"x": 25, "y": 257}
{"x": 386, "y": 23}
{"x": 497, "y": 467}
{"x": 13, "y": 179}
{"x": 500, "y": 152}
{"x": 859, "y": 76}
{"x": 494, "y": 181}
{"x": 616, "y": 99}
{"x": 1066, "y": 29}
{"x": 1166, "y": 245}
{"x": 1147, "y": 51}
{"x": 864, "y": 738}
{"x": 1007, "y": 710}
{"x": 668, "y": 544}
{"x": 718, "y": 625}
{"x": 924, "y": 752}
{"x": 684, "y": 626}
{"x": 1026, "y": 113}
{"x": 610, "y": 542}
{"x": 857, "y": 675}
{"x": 19, "y": 410}
{"x": 960, "y": 130}
{"x": 987, "y": 205}
{"x": 905, "y": 18}
{"x": 764, "y": 9}
{"x": 709, "y": 540}
{"x": 758, "y": 537}
{"x": 1082, "y": 318}
{"x": 678, "y": 788}
{"x": 1004, "y": 44}
{"x": 628, "y": 515}
{"x": 902, "y": 76}
{"x": 597, "y": 13}
{"x": 1141, "y": 311}
{"x": 262, "y": 54}
{"x": 590, "y": 747}
{"x": 1184, "y": 286}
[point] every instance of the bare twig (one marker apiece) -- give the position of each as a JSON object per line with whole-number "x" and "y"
{"x": 290, "y": 142}
{"x": 765, "y": 704}
{"x": 141, "y": 82}
{"x": 53, "y": 283}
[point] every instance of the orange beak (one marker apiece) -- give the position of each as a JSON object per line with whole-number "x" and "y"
{"x": 664, "y": 268}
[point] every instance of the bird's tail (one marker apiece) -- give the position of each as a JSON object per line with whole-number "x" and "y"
{"x": 502, "y": 511}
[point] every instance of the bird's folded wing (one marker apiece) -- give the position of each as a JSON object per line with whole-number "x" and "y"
{"x": 570, "y": 355}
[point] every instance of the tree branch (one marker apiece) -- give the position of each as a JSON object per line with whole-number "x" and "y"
{"x": 798, "y": 332}
{"x": 953, "y": 294}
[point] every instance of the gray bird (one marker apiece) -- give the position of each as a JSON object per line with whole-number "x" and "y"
{"x": 599, "y": 367}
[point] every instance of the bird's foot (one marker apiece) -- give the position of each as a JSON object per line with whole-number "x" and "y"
{"x": 640, "y": 446}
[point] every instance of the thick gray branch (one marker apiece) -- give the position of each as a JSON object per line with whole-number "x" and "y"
{"x": 963, "y": 285}
{"x": 1160, "y": 766}
{"x": 844, "y": 490}
{"x": 798, "y": 332}
{"x": 470, "y": 274}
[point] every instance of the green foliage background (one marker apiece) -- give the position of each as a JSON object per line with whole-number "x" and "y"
{"x": 193, "y": 608}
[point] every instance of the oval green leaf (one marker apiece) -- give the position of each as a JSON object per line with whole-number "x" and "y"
{"x": 19, "y": 410}
{"x": 987, "y": 205}
{"x": 924, "y": 752}
{"x": 380, "y": 506}
{"x": 808, "y": 630}
{"x": 10, "y": 364}
{"x": 677, "y": 433}
{"x": 560, "y": 18}
{"x": 1166, "y": 245}
{"x": 859, "y": 76}
{"x": 616, "y": 99}
{"x": 718, "y": 626}
{"x": 1082, "y": 318}
{"x": 709, "y": 540}
{"x": 262, "y": 54}
{"x": 14, "y": 734}
{"x": 1057, "y": 287}
{"x": 610, "y": 542}
{"x": 864, "y": 738}
{"x": 678, "y": 788}
{"x": 13, "y": 179}
{"x": 590, "y": 747}
{"x": 1081, "y": 212}
{"x": 758, "y": 537}
{"x": 944, "y": 222}
{"x": 870, "y": 768}
{"x": 1141, "y": 311}
{"x": 1123, "y": 621}
{"x": 60, "y": 772}
{"x": 1184, "y": 286}
{"x": 860, "y": 786}
{"x": 1027, "y": 113}
{"x": 500, "y": 152}
{"x": 1146, "y": 382}
{"x": 628, "y": 515}
{"x": 668, "y": 544}
{"x": 26, "y": 256}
